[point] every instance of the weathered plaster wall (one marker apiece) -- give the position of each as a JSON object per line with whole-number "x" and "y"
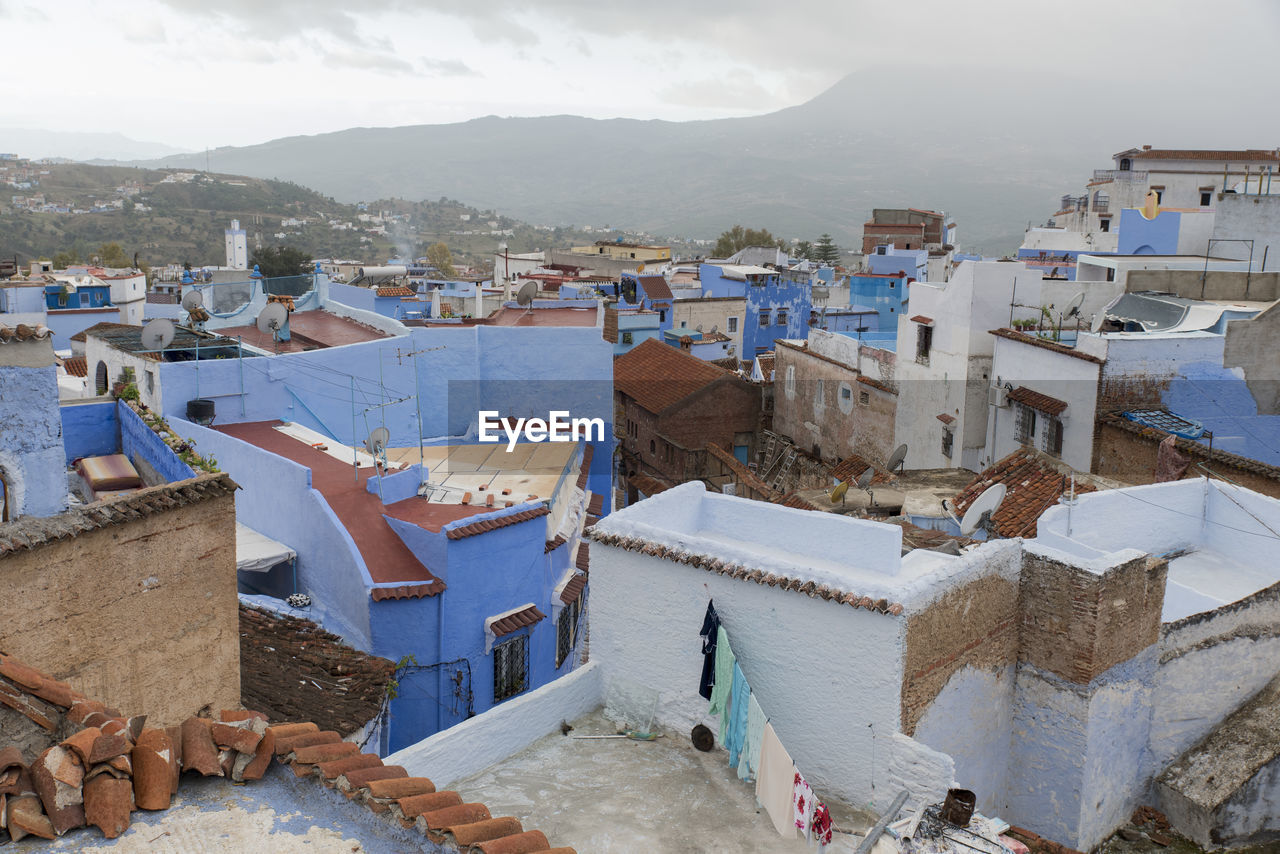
{"x": 1250, "y": 346}
{"x": 141, "y": 615}
{"x": 821, "y": 405}
{"x": 1253, "y": 815}
{"x": 32, "y": 459}
{"x": 140, "y": 443}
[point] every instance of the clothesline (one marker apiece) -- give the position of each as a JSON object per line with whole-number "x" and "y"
{"x": 754, "y": 747}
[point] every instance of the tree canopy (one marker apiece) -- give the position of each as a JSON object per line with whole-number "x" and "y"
{"x": 280, "y": 261}
{"x": 738, "y": 238}
{"x": 825, "y": 250}
{"x": 438, "y": 256}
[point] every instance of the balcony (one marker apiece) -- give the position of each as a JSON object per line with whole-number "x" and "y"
{"x": 1100, "y": 175}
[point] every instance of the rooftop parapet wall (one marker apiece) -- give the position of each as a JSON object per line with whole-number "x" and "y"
{"x": 1215, "y": 284}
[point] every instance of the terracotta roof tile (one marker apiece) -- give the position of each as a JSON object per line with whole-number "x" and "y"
{"x": 552, "y": 545}
{"x": 397, "y": 291}
{"x": 1036, "y": 400}
{"x": 75, "y": 366}
{"x": 647, "y": 484}
{"x": 656, "y": 375}
{"x": 156, "y": 298}
{"x": 493, "y": 523}
{"x": 741, "y": 472}
{"x": 852, "y": 467}
{"x": 656, "y": 287}
{"x": 1033, "y": 486}
{"x": 874, "y": 383}
{"x": 596, "y": 505}
{"x": 23, "y": 332}
{"x": 510, "y": 623}
{"x": 588, "y": 453}
{"x": 573, "y": 589}
{"x": 1196, "y": 154}
{"x": 1044, "y": 344}
{"x": 406, "y": 591}
{"x": 920, "y": 318}
{"x": 792, "y": 499}
{"x": 583, "y": 560}
{"x": 947, "y": 419}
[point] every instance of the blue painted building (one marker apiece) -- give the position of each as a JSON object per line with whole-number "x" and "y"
{"x": 1059, "y": 263}
{"x": 890, "y": 260}
{"x": 88, "y": 293}
{"x": 1142, "y": 236}
{"x": 650, "y": 293}
{"x": 885, "y": 293}
{"x": 22, "y": 297}
{"x": 778, "y": 306}
{"x": 634, "y": 326}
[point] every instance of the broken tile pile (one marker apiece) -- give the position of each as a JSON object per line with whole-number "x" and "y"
{"x": 1037, "y": 844}
{"x": 101, "y": 766}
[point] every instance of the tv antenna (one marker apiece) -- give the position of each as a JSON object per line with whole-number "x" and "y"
{"x": 982, "y": 510}
{"x": 157, "y": 334}
{"x": 376, "y": 444}
{"x": 895, "y": 459}
{"x": 272, "y": 319}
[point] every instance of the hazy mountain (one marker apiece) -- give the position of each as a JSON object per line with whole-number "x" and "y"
{"x": 996, "y": 151}
{"x": 71, "y": 145}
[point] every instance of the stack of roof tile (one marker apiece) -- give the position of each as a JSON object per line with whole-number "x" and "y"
{"x": 101, "y": 766}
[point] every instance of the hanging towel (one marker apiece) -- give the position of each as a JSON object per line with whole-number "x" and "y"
{"x": 801, "y": 805}
{"x": 774, "y": 784}
{"x": 736, "y": 732}
{"x": 709, "y": 633}
{"x": 724, "y": 678}
{"x": 749, "y": 764}
{"x": 822, "y": 826}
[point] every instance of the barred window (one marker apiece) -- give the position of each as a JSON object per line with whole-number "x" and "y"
{"x": 510, "y": 667}
{"x": 567, "y": 630}
{"x": 1025, "y": 427}
{"x": 947, "y": 438}
{"x": 1053, "y": 437}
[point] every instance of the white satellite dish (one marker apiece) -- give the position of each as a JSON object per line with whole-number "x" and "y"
{"x": 895, "y": 459}
{"x": 980, "y": 512}
{"x": 272, "y": 318}
{"x": 377, "y": 441}
{"x": 157, "y": 334}
{"x": 864, "y": 479}
{"x": 698, "y": 328}
{"x": 526, "y": 293}
{"x": 1073, "y": 307}
{"x": 192, "y": 300}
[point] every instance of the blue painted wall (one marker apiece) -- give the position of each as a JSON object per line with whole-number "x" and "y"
{"x": 14, "y": 299}
{"x": 1142, "y": 236}
{"x": 354, "y": 296}
{"x": 85, "y": 296}
{"x": 1064, "y": 261}
{"x": 90, "y": 429}
{"x": 714, "y": 284}
{"x": 31, "y": 452}
{"x": 64, "y": 324}
{"x": 139, "y": 440}
{"x": 912, "y": 262}
{"x": 887, "y": 294}
{"x": 641, "y": 326}
{"x": 777, "y": 293}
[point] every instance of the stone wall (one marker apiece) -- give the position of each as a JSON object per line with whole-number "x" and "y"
{"x": 971, "y": 626}
{"x": 1077, "y": 624}
{"x": 141, "y": 613}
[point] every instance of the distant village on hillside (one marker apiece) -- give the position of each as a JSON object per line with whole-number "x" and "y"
{"x": 889, "y": 548}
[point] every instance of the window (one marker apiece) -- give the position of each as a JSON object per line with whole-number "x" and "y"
{"x": 653, "y": 447}
{"x": 662, "y": 316}
{"x": 101, "y": 378}
{"x": 845, "y": 398}
{"x": 790, "y": 385}
{"x": 1206, "y": 198}
{"x": 567, "y": 630}
{"x": 765, "y": 320}
{"x": 1125, "y": 165}
{"x": 1053, "y": 437}
{"x": 947, "y": 438}
{"x": 733, "y": 324}
{"x": 151, "y": 382}
{"x": 924, "y": 343}
{"x": 864, "y": 398}
{"x": 1159, "y": 191}
{"x": 781, "y": 319}
{"x": 846, "y": 393}
{"x": 626, "y": 338}
{"x": 510, "y": 667}
{"x": 1025, "y": 426}
{"x": 1104, "y": 224}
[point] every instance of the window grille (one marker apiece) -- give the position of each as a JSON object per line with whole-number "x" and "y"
{"x": 510, "y": 667}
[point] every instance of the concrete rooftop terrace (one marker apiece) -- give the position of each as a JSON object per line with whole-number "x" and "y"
{"x": 618, "y": 796}
{"x": 308, "y": 330}
{"x": 508, "y": 316}
{"x": 528, "y": 471}
{"x": 279, "y": 814}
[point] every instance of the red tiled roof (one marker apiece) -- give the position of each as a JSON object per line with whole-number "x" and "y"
{"x": 656, "y": 287}
{"x": 766, "y": 361}
{"x": 76, "y": 366}
{"x": 156, "y": 298}
{"x": 573, "y": 589}
{"x": 104, "y": 326}
{"x": 610, "y": 329}
{"x": 403, "y": 591}
{"x": 596, "y": 505}
{"x": 647, "y": 484}
{"x": 583, "y": 561}
{"x": 1036, "y": 400}
{"x": 1196, "y": 154}
{"x": 1034, "y": 485}
{"x": 311, "y": 329}
{"x": 792, "y": 499}
{"x": 920, "y": 318}
{"x": 493, "y": 523}
{"x": 396, "y": 291}
{"x": 518, "y": 620}
{"x": 552, "y": 545}
{"x": 657, "y": 375}
{"x": 745, "y": 475}
{"x": 738, "y": 571}
{"x": 874, "y": 383}
{"x": 587, "y": 454}
{"x": 947, "y": 419}
{"x": 1044, "y": 344}
{"x": 852, "y": 467}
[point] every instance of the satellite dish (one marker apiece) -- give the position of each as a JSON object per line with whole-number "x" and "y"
{"x": 192, "y": 300}
{"x": 895, "y": 459}
{"x": 698, "y": 328}
{"x": 837, "y": 494}
{"x": 1073, "y": 307}
{"x": 980, "y": 512}
{"x": 272, "y": 318}
{"x": 640, "y": 268}
{"x": 715, "y": 329}
{"x": 157, "y": 334}
{"x": 377, "y": 441}
{"x": 526, "y": 293}
{"x": 864, "y": 479}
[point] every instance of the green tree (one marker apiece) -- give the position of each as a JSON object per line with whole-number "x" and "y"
{"x": 280, "y": 261}
{"x": 113, "y": 255}
{"x": 738, "y": 237}
{"x": 804, "y": 249}
{"x": 825, "y": 250}
{"x": 65, "y": 259}
{"x": 438, "y": 256}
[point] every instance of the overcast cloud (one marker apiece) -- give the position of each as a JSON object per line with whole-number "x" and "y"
{"x": 194, "y": 74}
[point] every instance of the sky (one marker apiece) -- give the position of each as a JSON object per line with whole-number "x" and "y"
{"x": 200, "y": 73}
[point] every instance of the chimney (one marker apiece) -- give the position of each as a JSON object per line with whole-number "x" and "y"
{"x": 1146, "y": 148}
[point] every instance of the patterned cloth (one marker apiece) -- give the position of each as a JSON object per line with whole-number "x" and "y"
{"x": 821, "y": 825}
{"x": 802, "y": 805}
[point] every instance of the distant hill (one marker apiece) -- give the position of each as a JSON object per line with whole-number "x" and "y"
{"x": 73, "y": 145}
{"x": 994, "y": 151}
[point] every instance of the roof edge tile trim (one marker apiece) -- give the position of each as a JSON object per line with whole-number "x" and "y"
{"x": 741, "y": 572}
{"x": 1044, "y": 344}
{"x": 407, "y": 591}
{"x": 485, "y": 524}
{"x": 33, "y": 532}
